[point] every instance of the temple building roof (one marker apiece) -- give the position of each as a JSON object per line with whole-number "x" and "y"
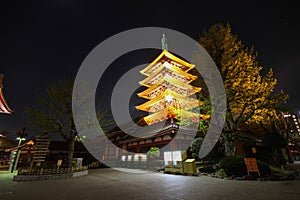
{"x": 4, "y": 108}
{"x": 3, "y": 133}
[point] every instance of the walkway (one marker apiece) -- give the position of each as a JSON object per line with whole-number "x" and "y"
{"x": 112, "y": 184}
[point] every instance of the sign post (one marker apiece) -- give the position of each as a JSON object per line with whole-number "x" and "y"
{"x": 59, "y": 162}
{"x": 251, "y": 165}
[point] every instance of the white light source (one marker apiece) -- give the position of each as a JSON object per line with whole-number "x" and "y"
{"x": 22, "y": 139}
{"x": 167, "y": 64}
{"x": 286, "y": 115}
{"x": 169, "y": 98}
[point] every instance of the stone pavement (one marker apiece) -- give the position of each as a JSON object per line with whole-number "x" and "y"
{"x": 113, "y": 184}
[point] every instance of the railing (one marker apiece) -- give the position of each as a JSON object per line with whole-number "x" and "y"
{"x": 60, "y": 171}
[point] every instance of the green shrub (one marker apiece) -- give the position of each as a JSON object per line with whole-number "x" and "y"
{"x": 233, "y": 166}
{"x": 264, "y": 168}
{"x": 221, "y": 173}
{"x": 206, "y": 169}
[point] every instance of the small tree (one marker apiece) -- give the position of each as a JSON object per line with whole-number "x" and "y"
{"x": 54, "y": 114}
{"x": 154, "y": 152}
{"x": 195, "y": 147}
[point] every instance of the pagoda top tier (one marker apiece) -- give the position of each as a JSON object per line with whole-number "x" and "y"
{"x": 167, "y": 70}
{"x": 166, "y": 56}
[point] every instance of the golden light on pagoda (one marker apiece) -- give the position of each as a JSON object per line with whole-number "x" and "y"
{"x": 168, "y": 89}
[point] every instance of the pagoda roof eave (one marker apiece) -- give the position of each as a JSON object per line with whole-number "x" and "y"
{"x": 171, "y": 68}
{"x": 149, "y": 103}
{"x": 165, "y": 114}
{"x": 170, "y": 56}
{"x": 173, "y": 81}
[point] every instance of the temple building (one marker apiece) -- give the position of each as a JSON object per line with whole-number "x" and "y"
{"x": 4, "y": 108}
{"x": 169, "y": 99}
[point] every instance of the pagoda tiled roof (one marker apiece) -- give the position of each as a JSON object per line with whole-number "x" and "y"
{"x": 4, "y": 108}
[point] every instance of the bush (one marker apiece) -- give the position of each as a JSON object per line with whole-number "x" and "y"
{"x": 206, "y": 169}
{"x": 264, "y": 168}
{"x": 221, "y": 173}
{"x": 233, "y": 166}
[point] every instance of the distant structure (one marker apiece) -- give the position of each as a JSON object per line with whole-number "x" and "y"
{"x": 4, "y": 108}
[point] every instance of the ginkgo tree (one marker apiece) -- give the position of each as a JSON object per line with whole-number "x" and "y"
{"x": 250, "y": 94}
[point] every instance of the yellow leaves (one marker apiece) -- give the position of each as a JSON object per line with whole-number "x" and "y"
{"x": 249, "y": 94}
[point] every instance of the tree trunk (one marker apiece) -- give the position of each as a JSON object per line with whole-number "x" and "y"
{"x": 288, "y": 153}
{"x": 229, "y": 147}
{"x": 71, "y": 145}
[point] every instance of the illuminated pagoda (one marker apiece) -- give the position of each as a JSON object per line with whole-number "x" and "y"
{"x": 169, "y": 98}
{"x": 169, "y": 90}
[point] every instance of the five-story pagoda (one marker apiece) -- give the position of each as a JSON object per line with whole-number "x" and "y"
{"x": 168, "y": 89}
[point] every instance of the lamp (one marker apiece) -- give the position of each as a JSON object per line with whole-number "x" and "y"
{"x": 16, "y": 153}
{"x": 290, "y": 160}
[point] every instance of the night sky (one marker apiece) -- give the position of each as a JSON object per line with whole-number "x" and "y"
{"x": 44, "y": 41}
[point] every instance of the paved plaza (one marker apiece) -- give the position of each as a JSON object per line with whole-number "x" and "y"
{"x": 114, "y": 184}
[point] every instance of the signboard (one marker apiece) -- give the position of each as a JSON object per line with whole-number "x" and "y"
{"x": 123, "y": 158}
{"x": 79, "y": 162}
{"x": 168, "y": 157}
{"x": 251, "y": 165}
{"x": 59, "y": 162}
{"x": 177, "y": 156}
{"x": 129, "y": 157}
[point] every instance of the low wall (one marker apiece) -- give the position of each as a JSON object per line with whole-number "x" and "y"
{"x": 35, "y": 177}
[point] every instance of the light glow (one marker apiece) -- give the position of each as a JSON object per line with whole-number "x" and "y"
{"x": 22, "y": 139}
{"x": 169, "y": 98}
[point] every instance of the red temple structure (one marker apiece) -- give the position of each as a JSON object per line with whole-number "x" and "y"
{"x": 4, "y": 108}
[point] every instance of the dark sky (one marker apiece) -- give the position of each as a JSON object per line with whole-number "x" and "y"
{"x": 43, "y": 41}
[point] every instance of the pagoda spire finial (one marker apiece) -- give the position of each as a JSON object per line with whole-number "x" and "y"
{"x": 164, "y": 44}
